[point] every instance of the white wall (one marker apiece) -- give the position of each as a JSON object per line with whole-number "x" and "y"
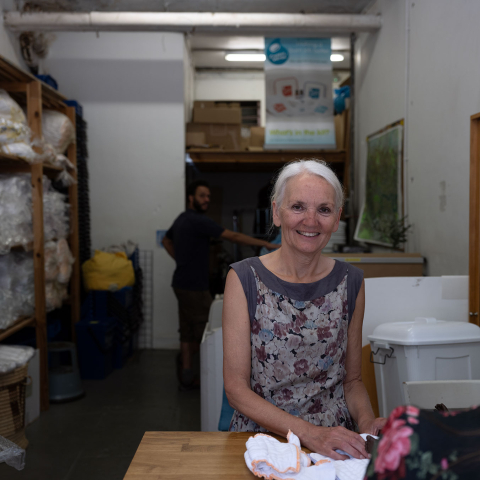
{"x": 444, "y": 92}
{"x": 231, "y": 86}
{"x": 379, "y": 83}
{"x": 9, "y": 47}
{"x": 444, "y": 68}
{"x": 131, "y": 87}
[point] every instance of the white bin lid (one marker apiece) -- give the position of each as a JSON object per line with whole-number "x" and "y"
{"x": 426, "y": 331}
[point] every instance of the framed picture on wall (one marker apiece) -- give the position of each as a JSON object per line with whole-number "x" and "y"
{"x": 382, "y": 208}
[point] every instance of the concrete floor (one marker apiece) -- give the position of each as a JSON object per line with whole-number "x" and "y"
{"x": 95, "y": 438}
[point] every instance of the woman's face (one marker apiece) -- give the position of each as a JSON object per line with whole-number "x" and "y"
{"x": 307, "y": 215}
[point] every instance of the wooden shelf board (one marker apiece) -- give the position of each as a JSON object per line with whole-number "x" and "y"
{"x": 9, "y": 73}
{"x": 13, "y": 164}
{"x": 265, "y": 160}
{"x": 18, "y": 325}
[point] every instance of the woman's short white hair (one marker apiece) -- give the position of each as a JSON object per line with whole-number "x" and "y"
{"x": 311, "y": 167}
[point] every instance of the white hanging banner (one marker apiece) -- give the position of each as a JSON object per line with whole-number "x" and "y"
{"x": 298, "y": 82}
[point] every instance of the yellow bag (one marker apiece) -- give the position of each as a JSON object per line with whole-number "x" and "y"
{"x": 108, "y": 271}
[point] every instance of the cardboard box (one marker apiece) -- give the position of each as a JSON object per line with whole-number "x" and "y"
{"x": 245, "y": 137}
{"x": 257, "y": 136}
{"x": 203, "y": 104}
{"x": 228, "y": 136}
{"x": 217, "y": 115}
{"x": 195, "y": 139}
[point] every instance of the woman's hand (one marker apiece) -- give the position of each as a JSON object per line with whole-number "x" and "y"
{"x": 372, "y": 426}
{"x": 326, "y": 440}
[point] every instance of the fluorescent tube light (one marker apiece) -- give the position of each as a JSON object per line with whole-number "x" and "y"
{"x": 245, "y": 57}
{"x": 336, "y": 57}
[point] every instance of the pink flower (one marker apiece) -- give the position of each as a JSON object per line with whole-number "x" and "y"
{"x": 413, "y": 421}
{"x": 301, "y": 366}
{"x": 444, "y": 463}
{"x": 396, "y": 412}
{"x": 412, "y": 411}
{"x": 261, "y": 354}
{"x": 393, "y": 446}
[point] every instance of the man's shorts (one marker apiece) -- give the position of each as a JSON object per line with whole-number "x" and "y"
{"x": 193, "y": 308}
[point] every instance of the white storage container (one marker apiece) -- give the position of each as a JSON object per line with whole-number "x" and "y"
{"x": 425, "y": 349}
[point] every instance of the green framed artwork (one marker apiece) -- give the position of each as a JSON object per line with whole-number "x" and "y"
{"x": 382, "y": 207}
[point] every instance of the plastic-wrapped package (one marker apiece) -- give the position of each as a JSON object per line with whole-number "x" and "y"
{"x": 12, "y": 132}
{"x": 65, "y": 261}
{"x": 10, "y": 109}
{"x": 46, "y": 152}
{"x": 12, "y": 454}
{"x": 65, "y": 179}
{"x": 17, "y": 291}
{"x": 57, "y": 129}
{"x": 55, "y": 294}
{"x": 14, "y": 356}
{"x": 15, "y": 211}
{"x": 14, "y": 129}
{"x": 22, "y": 150}
{"x": 58, "y": 261}
{"x": 56, "y": 214}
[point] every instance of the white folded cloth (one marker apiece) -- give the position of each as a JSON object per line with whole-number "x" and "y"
{"x": 269, "y": 458}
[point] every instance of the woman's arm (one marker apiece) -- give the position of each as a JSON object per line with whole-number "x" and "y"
{"x": 356, "y": 395}
{"x": 236, "y": 375}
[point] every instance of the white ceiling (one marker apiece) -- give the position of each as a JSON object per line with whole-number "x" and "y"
{"x": 227, "y": 42}
{"x": 208, "y": 51}
{"x": 240, "y": 6}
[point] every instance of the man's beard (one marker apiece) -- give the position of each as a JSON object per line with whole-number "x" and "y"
{"x": 198, "y": 207}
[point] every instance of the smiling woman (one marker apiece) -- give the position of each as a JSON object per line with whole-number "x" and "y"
{"x": 288, "y": 319}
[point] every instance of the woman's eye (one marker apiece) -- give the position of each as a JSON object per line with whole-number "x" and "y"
{"x": 297, "y": 208}
{"x": 324, "y": 210}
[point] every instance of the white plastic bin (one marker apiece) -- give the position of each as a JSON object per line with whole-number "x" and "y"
{"x": 425, "y": 349}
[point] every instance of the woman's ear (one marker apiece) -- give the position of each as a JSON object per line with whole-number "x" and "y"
{"x": 337, "y": 222}
{"x": 276, "y": 214}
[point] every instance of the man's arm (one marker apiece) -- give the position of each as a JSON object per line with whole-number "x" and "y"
{"x": 242, "y": 239}
{"x": 168, "y": 244}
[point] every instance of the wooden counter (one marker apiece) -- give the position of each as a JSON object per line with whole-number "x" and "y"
{"x": 191, "y": 455}
{"x": 384, "y": 264}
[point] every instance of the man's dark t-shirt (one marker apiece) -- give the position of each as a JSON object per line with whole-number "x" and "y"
{"x": 191, "y": 233}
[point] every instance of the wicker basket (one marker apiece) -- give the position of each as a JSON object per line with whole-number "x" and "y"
{"x": 12, "y": 406}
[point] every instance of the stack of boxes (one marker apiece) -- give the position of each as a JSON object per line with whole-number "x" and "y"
{"x": 218, "y": 126}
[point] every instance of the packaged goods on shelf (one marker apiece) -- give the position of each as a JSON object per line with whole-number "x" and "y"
{"x": 16, "y": 212}
{"x": 17, "y": 293}
{"x": 10, "y": 109}
{"x": 21, "y": 150}
{"x": 58, "y": 270}
{"x": 58, "y": 262}
{"x": 58, "y": 130}
{"x": 14, "y": 131}
{"x": 56, "y": 212}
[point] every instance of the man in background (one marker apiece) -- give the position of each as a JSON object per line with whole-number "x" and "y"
{"x": 188, "y": 243}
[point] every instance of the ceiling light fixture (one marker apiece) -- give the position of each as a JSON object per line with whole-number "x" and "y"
{"x": 245, "y": 57}
{"x": 336, "y": 57}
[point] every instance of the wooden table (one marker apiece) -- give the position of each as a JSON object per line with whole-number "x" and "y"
{"x": 190, "y": 455}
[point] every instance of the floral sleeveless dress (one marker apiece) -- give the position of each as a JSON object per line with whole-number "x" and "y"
{"x": 298, "y": 340}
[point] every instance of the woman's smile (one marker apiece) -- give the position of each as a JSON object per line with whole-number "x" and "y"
{"x": 308, "y": 215}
